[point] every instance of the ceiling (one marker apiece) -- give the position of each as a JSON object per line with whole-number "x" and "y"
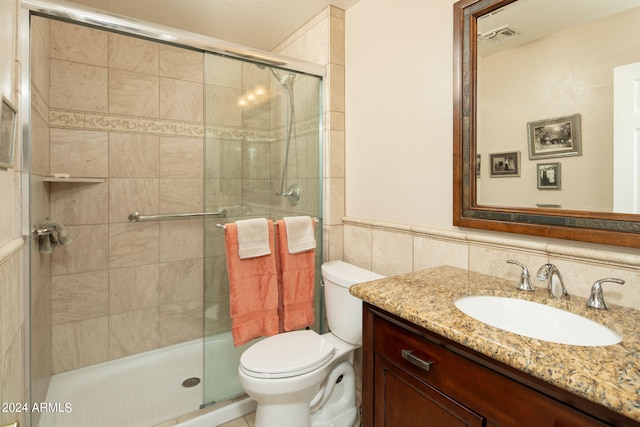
{"x": 261, "y": 24}
{"x": 535, "y": 19}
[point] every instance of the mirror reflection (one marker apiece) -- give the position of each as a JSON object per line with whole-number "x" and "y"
{"x": 557, "y": 122}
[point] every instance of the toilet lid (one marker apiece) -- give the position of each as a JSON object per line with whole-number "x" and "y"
{"x": 286, "y": 355}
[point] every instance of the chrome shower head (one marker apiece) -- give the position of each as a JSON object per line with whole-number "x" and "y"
{"x": 287, "y": 79}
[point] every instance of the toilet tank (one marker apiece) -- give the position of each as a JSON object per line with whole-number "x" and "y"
{"x": 344, "y": 311}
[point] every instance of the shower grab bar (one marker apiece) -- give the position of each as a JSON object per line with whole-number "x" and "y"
{"x": 136, "y": 217}
{"x": 224, "y": 227}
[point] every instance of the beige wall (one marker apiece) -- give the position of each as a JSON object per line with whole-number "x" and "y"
{"x": 563, "y": 81}
{"x": 399, "y": 161}
{"x": 399, "y": 111}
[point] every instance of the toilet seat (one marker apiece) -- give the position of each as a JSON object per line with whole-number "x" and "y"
{"x": 286, "y": 355}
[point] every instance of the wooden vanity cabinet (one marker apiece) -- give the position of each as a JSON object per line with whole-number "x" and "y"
{"x": 460, "y": 387}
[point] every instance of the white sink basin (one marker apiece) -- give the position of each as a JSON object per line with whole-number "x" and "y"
{"x": 539, "y": 321}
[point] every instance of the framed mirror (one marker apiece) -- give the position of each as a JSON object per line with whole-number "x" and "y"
{"x": 546, "y": 123}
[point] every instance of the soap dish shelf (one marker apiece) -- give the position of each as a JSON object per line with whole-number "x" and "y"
{"x": 76, "y": 179}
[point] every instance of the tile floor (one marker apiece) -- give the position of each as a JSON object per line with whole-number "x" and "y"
{"x": 249, "y": 421}
{"x": 246, "y": 421}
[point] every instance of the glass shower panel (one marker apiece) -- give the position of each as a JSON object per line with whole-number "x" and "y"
{"x": 258, "y": 122}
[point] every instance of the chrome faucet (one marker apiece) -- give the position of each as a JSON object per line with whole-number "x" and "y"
{"x": 551, "y": 274}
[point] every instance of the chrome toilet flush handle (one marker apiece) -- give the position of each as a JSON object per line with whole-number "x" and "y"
{"x": 525, "y": 282}
{"x": 596, "y": 300}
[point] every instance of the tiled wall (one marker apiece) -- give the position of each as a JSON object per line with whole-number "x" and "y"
{"x": 14, "y": 385}
{"x": 40, "y": 264}
{"x": 321, "y": 41}
{"x": 246, "y": 112}
{"x": 129, "y": 111}
{"x": 83, "y": 121}
{"x": 391, "y": 249}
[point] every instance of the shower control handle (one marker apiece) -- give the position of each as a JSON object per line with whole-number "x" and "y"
{"x": 415, "y": 360}
{"x": 293, "y": 194}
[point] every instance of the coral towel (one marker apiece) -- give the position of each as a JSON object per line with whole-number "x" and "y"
{"x": 253, "y": 290}
{"x": 297, "y": 283}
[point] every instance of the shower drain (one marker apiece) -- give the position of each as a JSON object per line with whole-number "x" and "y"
{"x": 191, "y": 382}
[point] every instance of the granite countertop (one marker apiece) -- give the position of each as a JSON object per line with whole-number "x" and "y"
{"x": 609, "y": 375}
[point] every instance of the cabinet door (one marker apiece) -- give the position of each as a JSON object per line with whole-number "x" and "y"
{"x": 498, "y": 398}
{"x": 403, "y": 400}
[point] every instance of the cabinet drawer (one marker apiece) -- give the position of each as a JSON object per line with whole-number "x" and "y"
{"x": 500, "y": 399}
{"x": 404, "y": 400}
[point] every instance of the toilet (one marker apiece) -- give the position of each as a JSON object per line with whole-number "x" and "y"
{"x": 303, "y": 379}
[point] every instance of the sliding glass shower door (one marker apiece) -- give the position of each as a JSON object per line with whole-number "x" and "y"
{"x": 262, "y": 160}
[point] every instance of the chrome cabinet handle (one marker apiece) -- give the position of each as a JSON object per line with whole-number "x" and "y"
{"x": 415, "y": 360}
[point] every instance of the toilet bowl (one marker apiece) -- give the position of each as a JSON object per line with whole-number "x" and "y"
{"x": 302, "y": 378}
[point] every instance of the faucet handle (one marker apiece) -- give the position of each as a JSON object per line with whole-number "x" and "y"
{"x": 596, "y": 300}
{"x": 525, "y": 283}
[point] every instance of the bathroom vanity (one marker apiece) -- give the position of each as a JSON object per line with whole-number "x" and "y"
{"x": 427, "y": 363}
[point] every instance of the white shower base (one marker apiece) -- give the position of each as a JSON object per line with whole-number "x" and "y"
{"x": 142, "y": 390}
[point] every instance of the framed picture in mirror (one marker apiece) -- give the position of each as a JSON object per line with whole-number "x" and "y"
{"x": 548, "y": 176}
{"x": 7, "y": 133}
{"x": 505, "y": 164}
{"x": 557, "y": 137}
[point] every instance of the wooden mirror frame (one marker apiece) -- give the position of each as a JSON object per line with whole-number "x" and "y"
{"x": 596, "y": 227}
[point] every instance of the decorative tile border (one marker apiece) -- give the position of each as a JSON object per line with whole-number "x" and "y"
{"x": 160, "y": 127}
{"x": 116, "y": 123}
{"x": 194, "y": 129}
{"x": 66, "y": 119}
{"x": 218, "y": 132}
{"x": 110, "y": 123}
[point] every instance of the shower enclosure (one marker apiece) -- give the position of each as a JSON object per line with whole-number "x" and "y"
{"x": 143, "y": 126}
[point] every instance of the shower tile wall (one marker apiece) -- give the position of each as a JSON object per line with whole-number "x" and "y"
{"x": 224, "y": 186}
{"x": 129, "y": 111}
{"x": 41, "y": 361}
{"x": 321, "y": 40}
{"x": 245, "y": 123}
